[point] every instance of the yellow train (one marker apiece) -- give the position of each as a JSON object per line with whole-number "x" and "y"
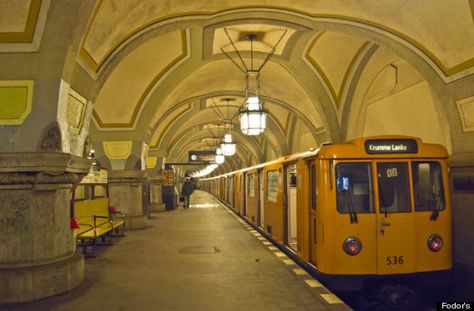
{"x": 362, "y": 214}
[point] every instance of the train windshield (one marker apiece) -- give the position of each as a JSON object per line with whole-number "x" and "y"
{"x": 428, "y": 186}
{"x": 354, "y": 188}
{"x": 394, "y": 189}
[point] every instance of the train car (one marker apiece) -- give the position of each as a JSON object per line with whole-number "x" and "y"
{"x": 362, "y": 215}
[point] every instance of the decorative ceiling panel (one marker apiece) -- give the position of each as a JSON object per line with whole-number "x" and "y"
{"x": 466, "y": 113}
{"x": 432, "y": 26}
{"x": 124, "y": 92}
{"x": 278, "y": 113}
{"x": 267, "y": 37}
{"x": 325, "y": 55}
{"x": 166, "y": 121}
{"x": 14, "y": 15}
{"x": 19, "y": 21}
{"x": 221, "y": 102}
{"x": 222, "y": 76}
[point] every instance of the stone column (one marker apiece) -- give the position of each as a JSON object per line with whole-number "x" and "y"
{"x": 126, "y": 194}
{"x": 37, "y": 246}
{"x": 156, "y": 194}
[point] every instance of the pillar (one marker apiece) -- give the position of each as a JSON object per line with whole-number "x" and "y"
{"x": 37, "y": 246}
{"x": 156, "y": 194}
{"x": 126, "y": 194}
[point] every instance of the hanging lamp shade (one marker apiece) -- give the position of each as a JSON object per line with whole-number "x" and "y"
{"x": 253, "y": 119}
{"x": 219, "y": 156}
{"x": 228, "y": 147}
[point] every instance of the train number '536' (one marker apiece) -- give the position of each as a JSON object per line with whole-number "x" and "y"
{"x": 395, "y": 260}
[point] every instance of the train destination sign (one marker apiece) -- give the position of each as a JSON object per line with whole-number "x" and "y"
{"x": 384, "y": 146}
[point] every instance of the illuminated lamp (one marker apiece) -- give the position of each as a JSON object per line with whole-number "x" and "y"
{"x": 219, "y": 156}
{"x": 228, "y": 147}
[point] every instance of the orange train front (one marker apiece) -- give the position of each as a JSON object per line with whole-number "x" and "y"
{"x": 361, "y": 215}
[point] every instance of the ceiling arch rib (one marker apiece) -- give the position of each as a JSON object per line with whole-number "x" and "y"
{"x": 120, "y": 99}
{"x": 164, "y": 124}
{"x": 193, "y": 134}
{"x": 180, "y": 151}
{"x": 274, "y": 135}
{"x": 213, "y": 77}
{"x": 332, "y": 67}
{"x": 233, "y": 162}
{"x": 244, "y": 150}
{"x": 333, "y": 19}
{"x": 113, "y": 25}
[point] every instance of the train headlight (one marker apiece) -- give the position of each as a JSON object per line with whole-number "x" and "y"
{"x": 435, "y": 243}
{"x": 352, "y": 246}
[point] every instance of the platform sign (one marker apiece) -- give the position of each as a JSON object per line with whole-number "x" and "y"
{"x": 387, "y": 146}
{"x": 168, "y": 178}
{"x": 201, "y": 156}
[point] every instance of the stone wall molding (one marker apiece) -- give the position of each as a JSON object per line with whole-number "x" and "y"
{"x": 50, "y": 162}
{"x": 127, "y": 176}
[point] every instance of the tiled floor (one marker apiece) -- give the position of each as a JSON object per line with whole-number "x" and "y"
{"x": 202, "y": 258}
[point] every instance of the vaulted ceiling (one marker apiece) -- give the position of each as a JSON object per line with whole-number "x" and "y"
{"x": 160, "y": 77}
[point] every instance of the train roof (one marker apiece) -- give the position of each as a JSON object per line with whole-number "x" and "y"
{"x": 383, "y": 146}
{"x": 369, "y": 147}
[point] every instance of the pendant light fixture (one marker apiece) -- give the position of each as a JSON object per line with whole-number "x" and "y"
{"x": 253, "y": 118}
{"x": 219, "y": 156}
{"x": 228, "y": 146}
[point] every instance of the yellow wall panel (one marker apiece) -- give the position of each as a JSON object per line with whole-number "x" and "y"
{"x": 15, "y": 101}
{"x": 117, "y": 150}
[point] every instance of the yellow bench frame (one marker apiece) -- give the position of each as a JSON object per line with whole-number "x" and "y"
{"x": 95, "y": 220}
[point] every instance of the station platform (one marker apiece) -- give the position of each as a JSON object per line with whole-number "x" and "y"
{"x": 201, "y": 258}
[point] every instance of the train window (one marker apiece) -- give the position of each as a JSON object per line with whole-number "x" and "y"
{"x": 428, "y": 186}
{"x": 354, "y": 188}
{"x": 312, "y": 186}
{"x": 251, "y": 185}
{"x": 394, "y": 194}
{"x": 272, "y": 186}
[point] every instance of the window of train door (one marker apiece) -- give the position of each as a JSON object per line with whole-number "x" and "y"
{"x": 312, "y": 212}
{"x": 235, "y": 191}
{"x": 290, "y": 218}
{"x": 395, "y": 218}
{"x": 243, "y": 190}
{"x": 261, "y": 199}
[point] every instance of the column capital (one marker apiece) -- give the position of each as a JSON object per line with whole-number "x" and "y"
{"x": 127, "y": 176}
{"x": 40, "y": 168}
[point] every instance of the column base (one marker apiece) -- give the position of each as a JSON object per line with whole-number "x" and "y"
{"x": 28, "y": 283}
{"x": 133, "y": 222}
{"x": 158, "y": 207}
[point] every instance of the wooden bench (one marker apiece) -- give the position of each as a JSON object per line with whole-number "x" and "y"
{"x": 95, "y": 220}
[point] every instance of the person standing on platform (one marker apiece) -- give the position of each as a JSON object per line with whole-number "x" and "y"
{"x": 186, "y": 191}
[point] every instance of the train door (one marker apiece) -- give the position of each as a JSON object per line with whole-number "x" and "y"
{"x": 290, "y": 220}
{"x": 225, "y": 189}
{"x": 312, "y": 212}
{"x": 261, "y": 200}
{"x": 395, "y": 218}
{"x": 235, "y": 192}
{"x": 243, "y": 196}
{"x": 231, "y": 191}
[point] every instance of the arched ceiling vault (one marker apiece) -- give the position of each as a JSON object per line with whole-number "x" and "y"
{"x": 158, "y": 63}
{"x": 177, "y": 117}
{"x": 183, "y": 142}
